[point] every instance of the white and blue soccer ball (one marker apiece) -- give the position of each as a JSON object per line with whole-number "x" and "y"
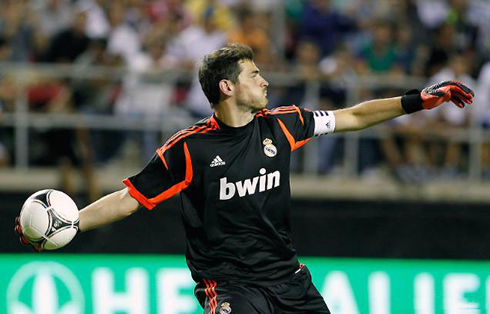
{"x": 49, "y": 219}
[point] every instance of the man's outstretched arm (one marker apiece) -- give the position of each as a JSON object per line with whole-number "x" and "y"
{"x": 367, "y": 113}
{"x": 108, "y": 209}
{"x": 373, "y": 112}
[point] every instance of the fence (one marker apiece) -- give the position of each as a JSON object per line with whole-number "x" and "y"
{"x": 22, "y": 120}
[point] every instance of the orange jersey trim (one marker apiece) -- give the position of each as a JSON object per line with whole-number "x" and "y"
{"x": 180, "y": 135}
{"x": 263, "y": 113}
{"x": 137, "y": 195}
{"x": 179, "y": 186}
{"x": 301, "y": 143}
{"x": 213, "y": 123}
{"x": 289, "y": 109}
{"x": 183, "y": 134}
{"x": 160, "y": 154}
{"x": 152, "y": 202}
{"x": 212, "y": 295}
{"x": 292, "y": 142}
{"x": 210, "y": 125}
{"x": 292, "y": 107}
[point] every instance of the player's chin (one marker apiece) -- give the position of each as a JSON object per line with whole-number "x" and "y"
{"x": 260, "y": 104}
{"x": 264, "y": 102}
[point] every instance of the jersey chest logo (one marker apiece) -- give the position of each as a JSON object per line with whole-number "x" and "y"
{"x": 269, "y": 149}
{"x": 265, "y": 181}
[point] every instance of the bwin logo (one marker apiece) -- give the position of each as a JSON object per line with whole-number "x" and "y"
{"x": 249, "y": 186}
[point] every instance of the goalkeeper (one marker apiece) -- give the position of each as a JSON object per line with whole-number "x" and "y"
{"x": 232, "y": 173}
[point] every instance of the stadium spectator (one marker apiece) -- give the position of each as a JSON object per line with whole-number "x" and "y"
{"x": 207, "y": 37}
{"x": 7, "y": 103}
{"x": 8, "y": 93}
{"x": 293, "y": 14}
{"x": 203, "y": 34}
{"x": 171, "y": 10}
{"x": 71, "y": 42}
{"x": 169, "y": 16}
{"x": 447, "y": 118}
{"x": 432, "y": 13}
{"x": 250, "y": 31}
{"x": 4, "y": 155}
{"x": 306, "y": 69}
{"x": 18, "y": 25}
{"x": 379, "y": 56}
{"x": 222, "y": 17}
{"x": 443, "y": 45}
{"x": 124, "y": 41}
{"x": 456, "y": 32}
{"x": 55, "y": 97}
{"x": 53, "y": 16}
{"x": 479, "y": 14}
{"x": 137, "y": 15}
{"x": 466, "y": 29}
{"x": 404, "y": 12}
{"x": 5, "y": 50}
{"x": 325, "y": 26}
{"x": 145, "y": 93}
{"x": 404, "y": 50}
{"x": 403, "y": 148}
{"x": 411, "y": 37}
{"x": 340, "y": 71}
{"x": 411, "y": 56}
{"x": 97, "y": 95}
{"x": 97, "y": 21}
{"x": 483, "y": 113}
{"x": 313, "y": 91}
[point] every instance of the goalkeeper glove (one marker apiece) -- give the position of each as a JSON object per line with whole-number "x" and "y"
{"x": 433, "y": 96}
{"x": 23, "y": 239}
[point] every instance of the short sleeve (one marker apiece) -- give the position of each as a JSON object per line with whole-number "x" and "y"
{"x": 297, "y": 124}
{"x": 167, "y": 173}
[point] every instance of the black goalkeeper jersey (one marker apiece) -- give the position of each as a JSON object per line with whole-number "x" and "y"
{"x": 235, "y": 193}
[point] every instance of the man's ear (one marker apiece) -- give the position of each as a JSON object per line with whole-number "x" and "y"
{"x": 226, "y": 87}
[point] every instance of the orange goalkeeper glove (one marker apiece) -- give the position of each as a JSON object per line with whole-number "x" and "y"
{"x": 23, "y": 239}
{"x": 433, "y": 96}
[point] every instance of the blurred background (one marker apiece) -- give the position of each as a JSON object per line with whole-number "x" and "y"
{"x": 90, "y": 88}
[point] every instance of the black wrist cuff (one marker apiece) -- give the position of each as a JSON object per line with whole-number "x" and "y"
{"x": 411, "y": 101}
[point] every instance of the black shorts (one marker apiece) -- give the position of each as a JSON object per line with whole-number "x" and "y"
{"x": 298, "y": 295}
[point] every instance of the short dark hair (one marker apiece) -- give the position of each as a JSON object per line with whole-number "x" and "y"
{"x": 222, "y": 64}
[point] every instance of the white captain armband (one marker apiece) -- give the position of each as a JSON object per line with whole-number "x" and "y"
{"x": 324, "y": 122}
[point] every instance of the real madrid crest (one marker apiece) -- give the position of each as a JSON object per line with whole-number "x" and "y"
{"x": 269, "y": 149}
{"x": 225, "y": 308}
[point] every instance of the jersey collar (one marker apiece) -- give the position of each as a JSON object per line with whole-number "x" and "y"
{"x": 223, "y": 127}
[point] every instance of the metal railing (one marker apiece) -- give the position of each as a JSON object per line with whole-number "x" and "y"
{"x": 22, "y": 119}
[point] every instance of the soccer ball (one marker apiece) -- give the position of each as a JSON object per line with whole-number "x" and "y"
{"x": 49, "y": 219}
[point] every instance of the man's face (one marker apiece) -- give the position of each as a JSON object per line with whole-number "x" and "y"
{"x": 251, "y": 89}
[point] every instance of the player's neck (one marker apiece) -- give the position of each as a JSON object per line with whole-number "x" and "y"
{"x": 233, "y": 116}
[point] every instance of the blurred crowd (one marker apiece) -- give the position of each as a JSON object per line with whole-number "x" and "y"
{"x": 325, "y": 44}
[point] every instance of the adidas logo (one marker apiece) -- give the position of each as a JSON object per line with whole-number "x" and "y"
{"x": 217, "y": 161}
